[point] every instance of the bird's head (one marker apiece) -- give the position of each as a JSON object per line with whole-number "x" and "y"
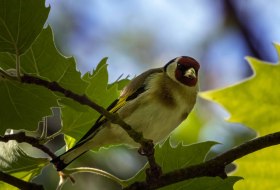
{"x": 183, "y": 69}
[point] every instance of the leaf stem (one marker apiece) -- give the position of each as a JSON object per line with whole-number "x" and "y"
{"x": 45, "y": 129}
{"x": 51, "y": 137}
{"x": 95, "y": 171}
{"x": 17, "y": 64}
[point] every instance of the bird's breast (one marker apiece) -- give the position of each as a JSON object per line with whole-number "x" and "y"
{"x": 155, "y": 118}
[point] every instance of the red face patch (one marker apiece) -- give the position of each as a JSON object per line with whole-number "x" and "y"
{"x": 183, "y": 64}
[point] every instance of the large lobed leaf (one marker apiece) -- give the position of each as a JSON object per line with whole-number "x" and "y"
{"x": 24, "y": 105}
{"x": 44, "y": 60}
{"x": 255, "y": 103}
{"x": 172, "y": 158}
{"x": 20, "y": 23}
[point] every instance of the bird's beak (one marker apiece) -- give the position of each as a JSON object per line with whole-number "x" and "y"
{"x": 190, "y": 73}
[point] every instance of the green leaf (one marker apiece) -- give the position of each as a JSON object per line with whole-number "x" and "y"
{"x": 121, "y": 83}
{"x": 7, "y": 61}
{"x": 14, "y": 161}
{"x": 19, "y": 25}
{"x": 23, "y": 105}
{"x": 70, "y": 141}
{"x": 171, "y": 158}
{"x": 253, "y": 102}
{"x": 101, "y": 64}
{"x": 209, "y": 183}
{"x": 261, "y": 170}
{"x": 44, "y": 60}
{"x": 188, "y": 131}
{"x": 180, "y": 156}
{"x": 77, "y": 123}
{"x": 184, "y": 155}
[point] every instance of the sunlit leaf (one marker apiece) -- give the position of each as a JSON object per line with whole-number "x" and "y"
{"x": 209, "y": 183}
{"x": 70, "y": 141}
{"x": 254, "y": 102}
{"x": 188, "y": 130}
{"x": 15, "y": 162}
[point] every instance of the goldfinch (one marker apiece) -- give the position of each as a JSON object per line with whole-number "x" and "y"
{"x": 153, "y": 103}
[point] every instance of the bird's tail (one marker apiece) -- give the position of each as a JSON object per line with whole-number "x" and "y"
{"x": 69, "y": 156}
{"x": 80, "y": 148}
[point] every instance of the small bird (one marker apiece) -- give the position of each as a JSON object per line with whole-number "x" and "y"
{"x": 153, "y": 103}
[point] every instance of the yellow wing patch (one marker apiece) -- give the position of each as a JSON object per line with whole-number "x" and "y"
{"x": 119, "y": 104}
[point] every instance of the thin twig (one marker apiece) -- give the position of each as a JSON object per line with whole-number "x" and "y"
{"x": 44, "y": 128}
{"x": 51, "y": 137}
{"x": 94, "y": 171}
{"x": 154, "y": 172}
{"x": 17, "y": 64}
{"x": 213, "y": 167}
{"x": 84, "y": 100}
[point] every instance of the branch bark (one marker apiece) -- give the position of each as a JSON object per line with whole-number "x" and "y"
{"x": 211, "y": 168}
{"x": 19, "y": 183}
{"x": 147, "y": 145}
{"x": 21, "y": 137}
{"x": 84, "y": 100}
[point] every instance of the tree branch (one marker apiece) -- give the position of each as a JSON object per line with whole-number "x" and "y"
{"x": 19, "y": 183}
{"x": 21, "y": 137}
{"x": 147, "y": 146}
{"x": 84, "y": 100}
{"x": 213, "y": 167}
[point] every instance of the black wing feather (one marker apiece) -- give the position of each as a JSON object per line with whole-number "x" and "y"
{"x": 98, "y": 124}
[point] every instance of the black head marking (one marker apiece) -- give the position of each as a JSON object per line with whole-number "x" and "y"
{"x": 165, "y": 66}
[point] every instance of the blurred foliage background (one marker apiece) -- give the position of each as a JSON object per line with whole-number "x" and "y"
{"x": 139, "y": 35}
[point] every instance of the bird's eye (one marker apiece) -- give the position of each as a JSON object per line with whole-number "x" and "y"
{"x": 181, "y": 67}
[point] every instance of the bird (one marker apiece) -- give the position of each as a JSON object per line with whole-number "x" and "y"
{"x": 153, "y": 103}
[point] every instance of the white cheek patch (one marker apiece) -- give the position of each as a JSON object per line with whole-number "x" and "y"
{"x": 171, "y": 68}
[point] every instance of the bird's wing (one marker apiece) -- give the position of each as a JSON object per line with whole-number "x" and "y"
{"x": 135, "y": 87}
